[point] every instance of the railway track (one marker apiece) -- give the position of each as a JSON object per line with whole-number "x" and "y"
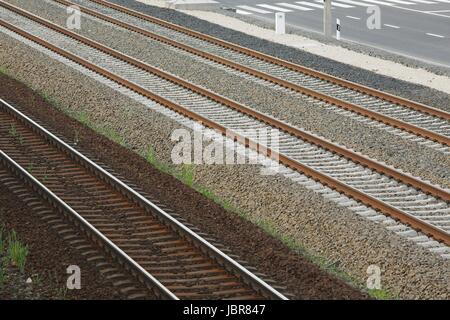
{"x": 164, "y": 254}
{"x": 416, "y": 119}
{"x": 422, "y": 206}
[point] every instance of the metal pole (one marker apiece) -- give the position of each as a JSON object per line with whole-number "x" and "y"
{"x": 338, "y": 29}
{"x": 280, "y": 23}
{"x": 327, "y": 18}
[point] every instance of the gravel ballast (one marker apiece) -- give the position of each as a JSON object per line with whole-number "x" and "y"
{"x": 424, "y": 162}
{"x": 302, "y": 216}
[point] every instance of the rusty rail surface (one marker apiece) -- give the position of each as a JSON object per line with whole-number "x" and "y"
{"x": 375, "y": 203}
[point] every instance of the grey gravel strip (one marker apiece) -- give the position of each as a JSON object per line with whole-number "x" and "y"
{"x": 350, "y": 241}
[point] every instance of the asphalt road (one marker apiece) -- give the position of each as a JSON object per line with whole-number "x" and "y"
{"x": 414, "y": 28}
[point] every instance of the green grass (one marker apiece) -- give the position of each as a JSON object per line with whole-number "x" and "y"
{"x": 44, "y": 95}
{"x": 380, "y": 294}
{"x": 30, "y": 168}
{"x": 47, "y": 97}
{"x": 111, "y": 134}
{"x": 150, "y": 156}
{"x": 12, "y": 251}
{"x": 186, "y": 175}
{"x": 37, "y": 279}
{"x": 61, "y": 293}
{"x": 3, "y": 71}
{"x": 83, "y": 117}
{"x": 13, "y": 131}
{"x": 15, "y": 134}
{"x": 267, "y": 226}
{"x": 17, "y": 252}
{"x": 217, "y": 199}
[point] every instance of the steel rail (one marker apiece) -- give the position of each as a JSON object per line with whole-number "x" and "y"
{"x": 277, "y": 61}
{"x": 284, "y": 83}
{"x": 437, "y": 233}
{"x": 349, "y": 154}
{"x": 206, "y": 247}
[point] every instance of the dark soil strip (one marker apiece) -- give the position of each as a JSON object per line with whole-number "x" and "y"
{"x": 303, "y": 279}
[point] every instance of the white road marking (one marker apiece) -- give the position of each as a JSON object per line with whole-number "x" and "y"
{"x": 356, "y": 3}
{"x": 391, "y": 26}
{"x": 337, "y": 4}
{"x": 421, "y": 11}
{"x": 354, "y": 18}
{"x": 423, "y": 1}
{"x": 315, "y": 5}
{"x": 435, "y": 35}
{"x": 254, "y": 9}
{"x": 380, "y": 2}
{"x": 293, "y": 6}
{"x": 400, "y": 2}
{"x": 278, "y": 9}
{"x": 238, "y": 11}
{"x": 439, "y": 11}
{"x": 444, "y": 1}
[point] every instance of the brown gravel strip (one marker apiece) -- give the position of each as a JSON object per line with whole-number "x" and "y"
{"x": 270, "y": 256}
